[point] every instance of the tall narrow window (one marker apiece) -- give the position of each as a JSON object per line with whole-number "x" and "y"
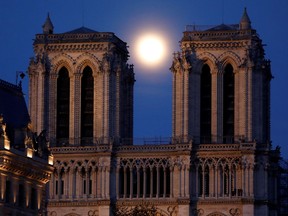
{"x": 87, "y": 93}
{"x": 63, "y": 95}
{"x": 228, "y": 104}
{"x": 205, "y": 113}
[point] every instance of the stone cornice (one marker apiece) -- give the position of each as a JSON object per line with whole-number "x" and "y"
{"x": 123, "y": 149}
{"x": 78, "y": 203}
{"x": 214, "y": 45}
{"x": 225, "y": 201}
{"x": 218, "y": 35}
{"x": 21, "y": 166}
{"x": 73, "y": 47}
{"x": 148, "y": 201}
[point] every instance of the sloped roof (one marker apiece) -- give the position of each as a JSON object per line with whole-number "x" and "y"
{"x": 13, "y": 106}
{"x": 224, "y": 27}
{"x": 81, "y": 30}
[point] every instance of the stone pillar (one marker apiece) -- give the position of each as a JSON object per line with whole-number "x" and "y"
{"x": 52, "y": 108}
{"x": 131, "y": 182}
{"x": 94, "y": 182}
{"x": 157, "y": 183}
{"x": 125, "y": 182}
{"x": 138, "y": 182}
{"x": 151, "y": 183}
{"x": 75, "y": 109}
{"x": 144, "y": 182}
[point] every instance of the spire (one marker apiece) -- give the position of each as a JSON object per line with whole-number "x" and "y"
{"x": 245, "y": 22}
{"x": 48, "y": 26}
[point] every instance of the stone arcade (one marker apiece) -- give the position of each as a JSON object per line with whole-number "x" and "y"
{"x": 219, "y": 160}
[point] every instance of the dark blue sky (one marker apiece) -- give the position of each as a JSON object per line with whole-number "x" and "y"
{"x": 21, "y": 20}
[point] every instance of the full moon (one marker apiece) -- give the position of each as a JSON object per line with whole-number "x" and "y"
{"x": 150, "y": 49}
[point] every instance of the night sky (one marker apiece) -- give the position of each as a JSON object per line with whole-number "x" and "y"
{"x": 20, "y": 20}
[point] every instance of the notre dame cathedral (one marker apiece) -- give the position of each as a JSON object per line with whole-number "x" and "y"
{"x": 219, "y": 161}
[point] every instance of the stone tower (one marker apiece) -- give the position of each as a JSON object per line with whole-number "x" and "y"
{"x": 81, "y": 87}
{"x": 221, "y": 103}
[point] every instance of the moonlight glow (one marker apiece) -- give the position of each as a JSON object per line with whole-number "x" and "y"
{"x": 150, "y": 49}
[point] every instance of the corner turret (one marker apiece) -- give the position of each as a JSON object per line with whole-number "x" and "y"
{"x": 245, "y": 22}
{"x": 48, "y": 26}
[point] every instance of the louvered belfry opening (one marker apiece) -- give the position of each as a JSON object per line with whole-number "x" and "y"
{"x": 63, "y": 95}
{"x": 228, "y": 104}
{"x": 205, "y": 112}
{"x": 87, "y": 93}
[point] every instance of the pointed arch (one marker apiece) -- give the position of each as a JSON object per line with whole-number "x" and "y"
{"x": 230, "y": 57}
{"x": 62, "y": 60}
{"x": 88, "y": 59}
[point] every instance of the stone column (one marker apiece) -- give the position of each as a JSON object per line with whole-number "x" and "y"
{"x": 157, "y": 183}
{"x": 187, "y": 188}
{"x": 94, "y": 182}
{"x": 52, "y": 108}
{"x": 131, "y": 182}
{"x": 144, "y": 182}
{"x": 138, "y": 182}
{"x": 75, "y": 109}
{"x": 151, "y": 183}
{"x": 165, "y": 182}
{"x": 171, "y": 182}
{"x": 125, "y": 182}
{"x": 217, "y": 181}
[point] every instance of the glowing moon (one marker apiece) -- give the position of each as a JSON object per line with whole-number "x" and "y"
{"x": 150, "y": 49}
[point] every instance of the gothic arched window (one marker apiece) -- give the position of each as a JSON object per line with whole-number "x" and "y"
{"x": 63, "y": 95}
{"x": 87, "y": 93}
{"x": 228, "y": 104}
{"x": 205, "y": 113}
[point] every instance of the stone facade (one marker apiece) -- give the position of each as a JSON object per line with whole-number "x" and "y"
{"x": 25, "y": 162}
{"x": 219, "y": 160}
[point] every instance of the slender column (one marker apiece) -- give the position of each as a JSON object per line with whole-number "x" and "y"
{"x": 71, "y": 192}
{"x": 180, "y": 181}
{"x": 151, "y": 183}
{"x": 230, "y": 181}
{"x": 187, "y": 188}
{"x": 102, "y": 184}
{"x": 203, "y": 182}
{"x": 77, "y": 182}
{"x": 216, "y": 181}
{"x": 51, "y": 187}
{"x": 27, "y": 193}
{"x": 251, "y": 180}
{"x": 117, "y": 181}
{"x": 144, "y": 182}
{"x": 39, "y": 190}
{"x": 138, "y": 183}
{"x": 15, "y": 188}
{"x": 165, "y": 182}
{"x": 158, "y": 183}
{"x": 52, "y": 108}
{"x": 87, "y": 182}
{"x": 59, "y": 184}
{"x": 171, "y": 182}
{"x": 75, "y": 111}
{"x": 197, "y": 182}
{"x": 107, "y": 181}
{"x": 265, "y": 181}
{"x": 131, "y": 182}
{"x": 211, "y": 182}
{"x": 243, "y": 179}
{"x": 125, "y": 182}
{"x": 66, "y": 183}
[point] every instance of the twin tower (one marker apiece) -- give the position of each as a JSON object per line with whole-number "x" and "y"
{"x": 219, "y": 161}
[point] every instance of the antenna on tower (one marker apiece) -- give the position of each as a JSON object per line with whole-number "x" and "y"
{"x": 83, "y": 13}
{"x": 222, "y": 11}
